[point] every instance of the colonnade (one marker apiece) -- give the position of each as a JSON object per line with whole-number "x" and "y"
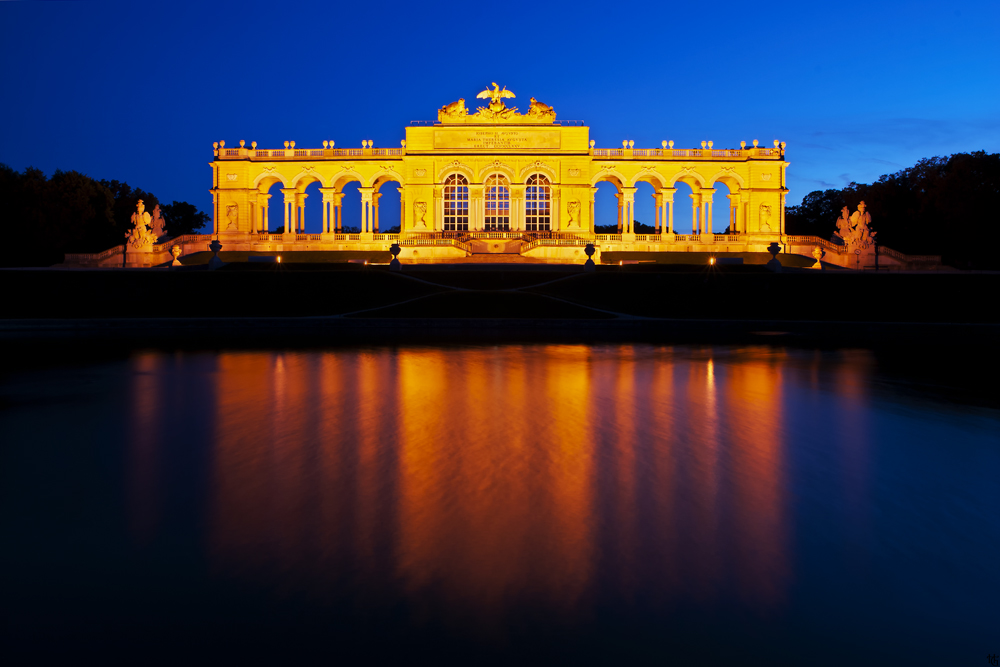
{"x": 701, "y": 210}
{"x": 294, "y": 210}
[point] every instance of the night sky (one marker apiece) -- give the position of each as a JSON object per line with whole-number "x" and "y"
{"x": 139, "y": 91}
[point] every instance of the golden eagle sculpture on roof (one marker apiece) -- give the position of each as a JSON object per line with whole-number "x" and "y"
{"x": 496, "y": 111}
{"x": 496, "y": 94}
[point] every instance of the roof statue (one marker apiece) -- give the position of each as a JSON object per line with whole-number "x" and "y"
{"x": 496, "y": 111}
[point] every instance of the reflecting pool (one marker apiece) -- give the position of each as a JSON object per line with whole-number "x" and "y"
{"x": 715, "y": 505}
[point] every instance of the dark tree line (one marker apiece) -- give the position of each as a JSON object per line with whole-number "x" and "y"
{"x": 44, "y": 218}
{"x": 944, "y": 206}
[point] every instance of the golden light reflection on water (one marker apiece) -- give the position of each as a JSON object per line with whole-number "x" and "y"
{"x": 488, "y": 478}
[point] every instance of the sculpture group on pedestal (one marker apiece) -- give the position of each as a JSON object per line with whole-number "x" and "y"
{"x": 145, "y": 230}
{"x": 853, "y": 229}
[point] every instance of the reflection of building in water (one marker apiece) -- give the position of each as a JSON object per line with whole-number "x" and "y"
{"x": 496, "y": 478}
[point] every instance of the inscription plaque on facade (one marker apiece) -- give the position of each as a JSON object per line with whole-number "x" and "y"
{"x": 503, "y": 138}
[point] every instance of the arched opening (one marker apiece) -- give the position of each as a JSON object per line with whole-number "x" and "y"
{"x": 645, "y": 208}
{"x": 312, "y": 209}
{"x": 720, "y": 212}
{"x": 685, "y": 207}
{"x": 271, "y": 218}
{"x": 607, "y": 211}
{"x": 387, "y": 213}
{"x": 456, "y": 203}
{"x": 347, "y": 207}
{"x": 538, "y": 204}
{"x": 496, "y": 196}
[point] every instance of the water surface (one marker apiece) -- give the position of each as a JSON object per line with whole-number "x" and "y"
{"x": 713, "y": 505}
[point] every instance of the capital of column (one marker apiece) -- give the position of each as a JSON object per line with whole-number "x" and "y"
{"x": 366, "y": 194}
{"x": 328, "y": 194}
{"x": 593, "y": 194}
{"x": 288, "y": 191}
{"x": 695, "y": 197}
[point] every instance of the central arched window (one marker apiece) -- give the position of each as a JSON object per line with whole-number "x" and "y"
{"x": 497, "y": 204}
{"x": 456, "y": 203}
{"x": 538, "y": 204}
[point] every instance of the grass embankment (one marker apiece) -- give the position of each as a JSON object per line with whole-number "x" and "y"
{"x": 647, "y": 290}
{"x": 701, "y": 258}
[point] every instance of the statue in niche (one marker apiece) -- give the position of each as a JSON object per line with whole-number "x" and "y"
{"x": 854, "y": 229}
{"x": 574, "y": 211}
{"x": 159, "y": 225}
{"x": 419, "y": 211}
{"x": 140, "y": 237}
{"x": 765, "y": 218}
{"x": 232, "y": 214}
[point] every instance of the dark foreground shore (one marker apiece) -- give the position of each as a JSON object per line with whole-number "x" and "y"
{"x": 246, "y": 304}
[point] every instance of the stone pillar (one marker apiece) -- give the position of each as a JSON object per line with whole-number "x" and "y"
{"x": 300, "y": 213}
{"x": 477, "y": 208}
{"x": 437, "y": 219}
{"x": 554, "y": 209}
{"x": 264, "y": 223}
{"x": 215, "y": 211}
{"x": 593, "y": 202}
{"x": 629, "y": 210}
{"x": 329, "y": 196}
{"x": 289, "y": 203}
{"x": 621, "y": 198}
{"x": 339, "y": 204}
{"x": 375, "y": 198}
{"x": 706, "y": 213}
{"x": 517, "y": 207}
{"x": 402, "y": 209}
{"x": 668, "y": 196}
{"x": 734, "y": 210}
{"x": 658, "y": 199}
{"x": 695, "y": 206}
{"x": 745, "y": 210}
{"x": 366, "y": 209}
{"x": 781, "y": 212}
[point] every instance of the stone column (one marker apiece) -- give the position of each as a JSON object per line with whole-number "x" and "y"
{"x": 706, "y": 213}
{"x": 517, "y": 207}
{"x": 375, "y": 198}
{"x": 658, "y": 204}
{"x": 628, "y": 223}
{"x": 621, "y": 198}
{"x": 339, "y": 206}
{"x": 695, "y": 206}
{"x": 289, "y": 203}
{"x": 477, "y": 208}
{"x": 366, "y": 209}
{"x": 402, "y": 209}
{"x": 668, "y": 197}
{"x": 215, "y": 211}
{"x": 437, "y": 214}
{"x": 555, "y": 208}
{"x": 329, "y": 195}
{"x": 781, "y": 212}
{"x": 734, "y": 213}
{"x": 300, "y": 213}
{"x": 745, "y": 210}
{"x": 264, "y": 223}
{"x": 593, "y": 202}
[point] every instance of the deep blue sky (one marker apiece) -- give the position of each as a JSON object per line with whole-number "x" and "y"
{"x": 139, "y": 91}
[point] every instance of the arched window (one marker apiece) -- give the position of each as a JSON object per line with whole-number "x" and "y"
{"x": 497, "y": 204}
{"x": 538, "y": 204}
{"x": 456, "y": 203}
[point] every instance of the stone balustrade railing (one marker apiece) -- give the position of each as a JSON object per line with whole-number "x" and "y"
{"x": 243, "y": 153}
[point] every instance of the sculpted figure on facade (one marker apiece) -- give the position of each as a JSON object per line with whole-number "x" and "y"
{"x": 573, "y": 208}
{"x": 765, "y": 218}
{"x": 140, "y": 237}
{"x": 232, "y": 214}
{"x": 420, "y": 211}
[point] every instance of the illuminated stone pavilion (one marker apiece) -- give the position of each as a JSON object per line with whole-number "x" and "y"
{"x": 498, "y": 181}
